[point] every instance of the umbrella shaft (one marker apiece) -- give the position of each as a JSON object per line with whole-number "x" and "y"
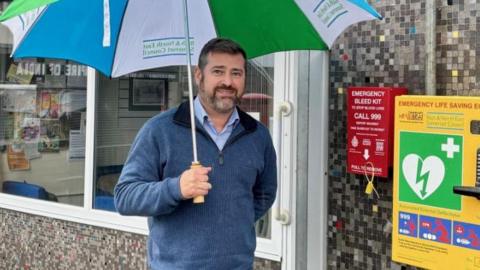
{"x": 190, "y": 86}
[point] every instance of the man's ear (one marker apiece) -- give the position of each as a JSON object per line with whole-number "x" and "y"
{"x": 198, "y": 75}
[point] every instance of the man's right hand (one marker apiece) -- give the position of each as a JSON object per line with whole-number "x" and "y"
{"x": 194, "y": 182}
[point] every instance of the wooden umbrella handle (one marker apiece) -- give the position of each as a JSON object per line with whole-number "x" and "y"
{"x": 197, "y": 199}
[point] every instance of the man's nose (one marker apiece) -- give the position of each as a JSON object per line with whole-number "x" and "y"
{"x": 227, "y": 80}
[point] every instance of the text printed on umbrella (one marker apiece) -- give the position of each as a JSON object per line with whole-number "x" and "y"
{"x": 166, "y": 47}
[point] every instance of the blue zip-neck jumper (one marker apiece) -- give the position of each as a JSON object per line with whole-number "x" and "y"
{"x": 220, "y": 233}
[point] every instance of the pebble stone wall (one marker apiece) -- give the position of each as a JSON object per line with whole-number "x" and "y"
{"x": 35, "y": 242}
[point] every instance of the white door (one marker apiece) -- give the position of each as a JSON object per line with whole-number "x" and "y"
{"x": 270, "y": 97}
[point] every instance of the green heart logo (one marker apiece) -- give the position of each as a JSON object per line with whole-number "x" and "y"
{"x": 428, "y": 168}
{"x": 423, "y": 176}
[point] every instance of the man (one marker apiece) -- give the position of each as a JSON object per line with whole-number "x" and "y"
{"x": 239, "y": 180}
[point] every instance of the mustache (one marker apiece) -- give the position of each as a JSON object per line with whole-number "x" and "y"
{"x": 236, "y": 98}
{"x": 224, "y": 87}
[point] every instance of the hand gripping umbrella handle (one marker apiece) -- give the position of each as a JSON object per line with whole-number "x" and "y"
{"x": 198, "y": 199}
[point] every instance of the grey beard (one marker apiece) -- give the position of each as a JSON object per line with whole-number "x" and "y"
{"x": 219, "y": 105}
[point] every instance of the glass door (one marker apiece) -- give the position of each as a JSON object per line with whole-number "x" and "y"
{"x": 270, "y": 97}
{"x": 258, "y": 101}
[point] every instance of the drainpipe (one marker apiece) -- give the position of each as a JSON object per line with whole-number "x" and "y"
{"x": 430, "y": 47}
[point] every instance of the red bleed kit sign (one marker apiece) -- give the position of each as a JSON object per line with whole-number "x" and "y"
{"x": 370, "y": 129}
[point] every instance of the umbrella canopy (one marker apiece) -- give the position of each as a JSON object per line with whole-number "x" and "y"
{"x": 121, "y": 36}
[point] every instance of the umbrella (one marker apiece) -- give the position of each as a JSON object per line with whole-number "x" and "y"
{"x": 118, "y": 37}
{"x": 121, "y": 36}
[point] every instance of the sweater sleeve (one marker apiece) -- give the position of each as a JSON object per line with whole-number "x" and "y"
{"x": 141, "y": 189}
{"x": 265, "y": 188}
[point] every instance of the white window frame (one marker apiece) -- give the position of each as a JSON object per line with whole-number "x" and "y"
{"x": 266, "y": 248}
{"x": 85, "y": 214}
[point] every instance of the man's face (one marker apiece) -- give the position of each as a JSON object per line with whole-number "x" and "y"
{"x": 221, "y": 84}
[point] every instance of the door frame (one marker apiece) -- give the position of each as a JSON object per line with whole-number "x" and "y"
{"x": 302, "y": 81}
{"x": 317, "y": 204}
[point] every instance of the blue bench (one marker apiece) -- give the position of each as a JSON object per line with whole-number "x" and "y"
{"x": 104, "y": 203}
{"x": 25, "y": 189}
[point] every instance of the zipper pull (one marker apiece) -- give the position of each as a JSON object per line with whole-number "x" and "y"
{"x": 220, "y": 158}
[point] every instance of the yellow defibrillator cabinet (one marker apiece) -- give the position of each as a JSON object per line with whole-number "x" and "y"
{"x": 436, "y": 194}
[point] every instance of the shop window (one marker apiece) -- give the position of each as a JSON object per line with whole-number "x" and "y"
{"x": 123, "y": 105}
{"x": 42, "y": 129}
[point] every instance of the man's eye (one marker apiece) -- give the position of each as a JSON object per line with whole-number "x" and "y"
{"x": 237, "y": 74}
{"x": 217, "y": 72}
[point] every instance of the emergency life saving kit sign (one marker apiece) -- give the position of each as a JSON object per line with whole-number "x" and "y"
{"x": 436, "y": 150}
{"x": 370, "y": 115}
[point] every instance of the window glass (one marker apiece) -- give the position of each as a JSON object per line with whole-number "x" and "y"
{"x": 258, "y": 102}
{"x": 125, "y": 104}
{"x": 42, "y": 122}
{"x": 42, "y": 127}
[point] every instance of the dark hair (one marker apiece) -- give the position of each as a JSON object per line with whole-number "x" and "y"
{"x": 220, "y": 45}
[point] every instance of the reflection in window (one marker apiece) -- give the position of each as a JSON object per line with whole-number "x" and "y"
{"x": 42, "y": 130}
{"x": 126, "y": 103}
{"x": 123, "y": 105}
{"x": 258, "y": 102}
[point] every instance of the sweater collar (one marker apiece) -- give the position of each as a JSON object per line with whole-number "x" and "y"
{"x": 182, "y": 117}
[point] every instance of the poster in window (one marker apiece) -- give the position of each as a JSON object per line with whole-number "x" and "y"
{"x": 72, "y": 100}
{"x": 77, "y": 145}
{"x": 17, "y": 75}
{"x": 18, "y": 98}
{"x": 49, "y": 144}
{"x": 49, "y": 104}
{"x": 147, "y": 94}
{"x": 30, "y": 135}
{"x": 30, "y": 130}
{"x": 16, "y": 158}
{"x": 50, "y": 135}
